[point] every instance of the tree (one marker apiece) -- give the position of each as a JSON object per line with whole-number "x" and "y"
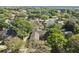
{"x": 22, "y": 27}
{"x": 56, "y": 40}
{"x": 76, "y": 29}
{"x": 44, "y": 17}
{"x": 3, "y": 24}
{"x": 5, "y": 13}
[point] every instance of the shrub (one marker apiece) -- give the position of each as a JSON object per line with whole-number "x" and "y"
{"x": 37, "y": 46}
{"x": 14, "y": 44}
{"x": 73, "y": 44}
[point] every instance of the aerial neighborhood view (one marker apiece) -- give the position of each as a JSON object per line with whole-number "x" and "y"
{"x": 39, "y": 30}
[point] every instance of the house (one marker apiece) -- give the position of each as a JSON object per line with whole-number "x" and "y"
{"x": 9, "y": 21}
{"x": 52, "y": 21}
{"x": 66, "y": 33}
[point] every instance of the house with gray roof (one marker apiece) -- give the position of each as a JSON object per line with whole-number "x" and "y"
{"x": 51, "y": 21}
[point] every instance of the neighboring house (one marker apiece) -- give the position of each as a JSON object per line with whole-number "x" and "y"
{"x": 61, "y": 22}
{"x": 7, "y": 33}
{"x": 11, "y": 32}
{"x": 12, "y": 16}
{"x": 67, "y": 34}
{"x": 8, "y": 21}
{"x": 50, "y": 22}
